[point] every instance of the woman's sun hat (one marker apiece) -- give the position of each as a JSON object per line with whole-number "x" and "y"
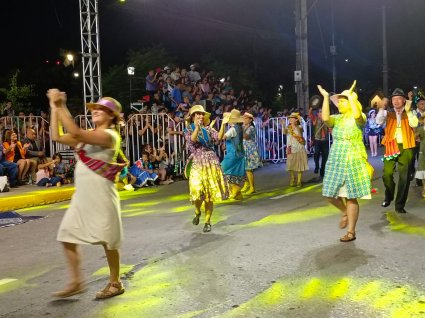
{"x": 109, "y": 103}
{"x": 199, "y": 109}
{"x": 297, "y": 116}
{"x": 233, "y": 117}
{"x": 334, "y": 98}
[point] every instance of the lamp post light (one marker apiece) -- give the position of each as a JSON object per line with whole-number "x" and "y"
{"x": 130, "y": 71}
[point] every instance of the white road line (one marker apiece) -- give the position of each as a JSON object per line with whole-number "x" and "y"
{"x": 295, "y": 192}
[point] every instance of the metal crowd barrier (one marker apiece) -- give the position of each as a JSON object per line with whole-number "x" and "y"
{"x": 20, "y": 124}
{"x": 272, "y": 142}
{"x": 159, "y": 130}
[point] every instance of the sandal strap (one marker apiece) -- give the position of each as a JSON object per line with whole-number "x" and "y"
{"x": 111, "y": 289}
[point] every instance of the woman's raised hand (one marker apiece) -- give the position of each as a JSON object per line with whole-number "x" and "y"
{"x": 322, "y": 91}
{"x": 353, "y": 87}
{"x": 56, "y": 98}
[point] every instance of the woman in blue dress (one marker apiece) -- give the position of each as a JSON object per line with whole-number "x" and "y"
{"x": 233, "y": 164}
{"x": 252, "y": 157}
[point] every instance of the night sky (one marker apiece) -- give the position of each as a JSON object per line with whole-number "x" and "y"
{"x": 256, "y": 33}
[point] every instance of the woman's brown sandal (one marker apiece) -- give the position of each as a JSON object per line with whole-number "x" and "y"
{"x": 350, "y": 236}
{"x": 343, "y": 222}
{"x": 111, "y": 290}
{"x": 71, "y": 290}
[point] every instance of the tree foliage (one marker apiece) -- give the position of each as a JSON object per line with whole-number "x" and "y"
{"x": 19, "y": 95}
{"x": 116, "y": 81}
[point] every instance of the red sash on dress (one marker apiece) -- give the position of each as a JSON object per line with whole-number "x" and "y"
{"x": 103, "y": 168}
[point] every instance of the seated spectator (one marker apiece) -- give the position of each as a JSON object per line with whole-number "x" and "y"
{"x": 15, "y": 152}
{"x": 165, "y": 170}
{"x": 183, "y": 108}
{"x": 60, "y": 169}
{"x": 205, "y": 87}
{"x": 175, "y": 74}
{"x": 167, "y": 73}
{"x": 154, "y": 158}
{"x": 143, "y": 172}
{"x": 176, "y": 96}
{"x": 9, "y": 169}
{"x": 193, "y": 74}
{"x": 152, "y": 80}
{"x": 44, "y": 175}
{"x": 184, "y": 77}
{"x": 34, "y": 152}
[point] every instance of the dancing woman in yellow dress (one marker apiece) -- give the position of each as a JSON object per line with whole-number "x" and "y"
{"x": 206, "y": 180}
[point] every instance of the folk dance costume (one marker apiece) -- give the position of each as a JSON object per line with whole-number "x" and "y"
{"x": 233, "y": 163}
{"x": 206, "y": 181}
{"x": 252, "y": 157}
{"x": 346, "y": 173}
{"x": 297, "y": 155}
{"x": 399, "y": 142}
{"x": 102, "y": 225}
{"x": 94, "y": 215}
{"x": 296, "y": 160}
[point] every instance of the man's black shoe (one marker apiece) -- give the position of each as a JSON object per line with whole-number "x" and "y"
{"x": 402, "y": 210}
{"x": 385, "y": 203}
{"x": 316, "y": 170}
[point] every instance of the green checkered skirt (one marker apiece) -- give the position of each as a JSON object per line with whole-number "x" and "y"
{"x": 347, "y": 161}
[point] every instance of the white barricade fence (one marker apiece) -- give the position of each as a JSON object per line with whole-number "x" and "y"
{"x": 67, "y": 153}
{"x": 159, "y": 131}
{"x": 20, "y": 124}
{"x": 271, "y": 140}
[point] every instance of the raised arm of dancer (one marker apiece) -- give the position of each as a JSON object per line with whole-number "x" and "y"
{"x": 221, "y": 131}
{"x": 57, "y": 128}
{"x": 356, "y": 107}
{"x": 194, "y": 136}
{"x": 93, "y": 137}
{"x": 325, "y": 107}
{"x": 57, "y": 131}
{"x": 221, "y": 135}
{"x": 411, "y": 116}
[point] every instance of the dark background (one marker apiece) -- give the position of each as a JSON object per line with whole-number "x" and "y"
{"x": 257, "y": 34}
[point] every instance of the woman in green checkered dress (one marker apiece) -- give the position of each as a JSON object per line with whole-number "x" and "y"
{"x": 346, "y": 175}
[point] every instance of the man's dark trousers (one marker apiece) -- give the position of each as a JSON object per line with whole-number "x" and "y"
{"x": 321, "y": 148}
{"x": 403, "y": 162}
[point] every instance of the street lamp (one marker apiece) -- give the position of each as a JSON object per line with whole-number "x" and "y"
{"x": 130, "y": 71}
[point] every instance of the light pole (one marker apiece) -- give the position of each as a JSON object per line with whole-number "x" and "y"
{"x": 130, "y": 71}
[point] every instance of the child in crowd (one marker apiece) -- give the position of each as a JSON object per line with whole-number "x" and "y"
{"x": 60, "y": 168}
{"x": 45, "y": 172}
{"x": 143, "y": 172}
{"x": 164, "y": 167}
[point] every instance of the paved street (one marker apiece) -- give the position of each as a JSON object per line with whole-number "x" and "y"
{"x": 276, "y": 254}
